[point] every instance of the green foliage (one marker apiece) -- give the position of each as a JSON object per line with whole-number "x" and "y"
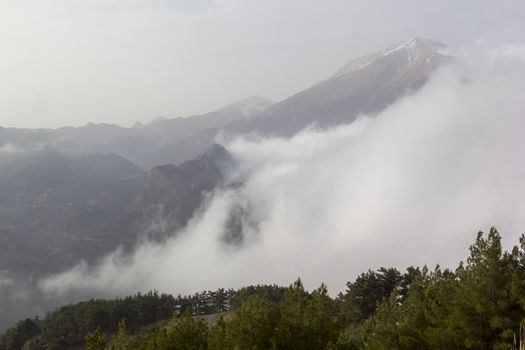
{"x": 368, "y": 290}
{"x": 183, "y": 333}
{"x": 253, "y": 325}
{"x": 479, "y": 305}
{"x": 485, "y": 310}
{"x": 120, "y": 341}
{"x": 217, "y": 335}
{"x": 272, "y": 293}
{"x": 68, "y": 326}
{"x": 96, "y": 340}
{"x": 320, "y": 319}
{"x": 15, "y": 338}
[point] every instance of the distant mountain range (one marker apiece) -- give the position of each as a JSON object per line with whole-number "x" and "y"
{"x": 145, "y": 145}
{"x": 55, "y": 209}
{"x": 78, "y": 193}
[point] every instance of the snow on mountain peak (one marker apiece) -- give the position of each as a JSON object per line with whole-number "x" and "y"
{"x": 411, "y": 48}
{"x": 415, "y": 43}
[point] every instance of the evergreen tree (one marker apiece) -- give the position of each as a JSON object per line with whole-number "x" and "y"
{"x": 367, "y": 292}
{"x": 120, "y": 341}
{"x": 320, "y": 320}
{"x": 96, "y": 340}
{"x": 484, "y": 311}
{"x": 15, "y": 338}
{"x": 182, "y": 333}
{"x": 217, "y": 336}
{"x": 292, "y": 332}
{"x": 379, "y": 332}
{"x": 253, "y": 325}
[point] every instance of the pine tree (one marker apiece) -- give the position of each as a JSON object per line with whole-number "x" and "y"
{"x": 292, "y": 332}
{"x": 483, "y": 313}
{"x": 120, "y": 341}
{"x": 253, "y": 325}
{"x": 217, "y": 336}
{"x": 96, "y": 340}
{"x": 319, "y": 319}
{"x": 368, "y": 291}
{"x": 182, "y": 333}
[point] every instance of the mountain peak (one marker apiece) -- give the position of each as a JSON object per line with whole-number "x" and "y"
{"x": 413, "y": 49}
{"x": 415, "y": 43}
{"x": 250, "y": 105}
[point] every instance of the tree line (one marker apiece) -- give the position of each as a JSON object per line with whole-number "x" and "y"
{"x": 478, "y": 305}
{"x": 68, "y": 326}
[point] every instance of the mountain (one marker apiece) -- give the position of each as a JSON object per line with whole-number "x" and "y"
{"x": 179, "y": 149}
{"x": 172, "y": 194}
{"x": 144, "y": 145}
{"x": 72, "y": 185}
{"x": 57, "y": 209}
{"x": 70, "y": 191}
{"x": 365, "y": 85}
{"x": 241, "y": 109}
{"x": 74, "y": 194}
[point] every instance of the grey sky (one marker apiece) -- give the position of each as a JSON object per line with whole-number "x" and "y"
{"x": 68, "y": 62}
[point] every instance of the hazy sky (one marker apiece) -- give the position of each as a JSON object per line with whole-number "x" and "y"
{"x": 68, "y": 62}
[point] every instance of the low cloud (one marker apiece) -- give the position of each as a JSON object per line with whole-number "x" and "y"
{"x": 18, "y": 299}
{"x": 9, "y": 148}
{"x": 410, "y": 186}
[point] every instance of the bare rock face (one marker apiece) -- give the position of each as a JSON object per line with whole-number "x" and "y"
{"x": 172, "y": 194}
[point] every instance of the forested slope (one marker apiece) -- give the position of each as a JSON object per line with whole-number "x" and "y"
{"x": 478, "y": 305}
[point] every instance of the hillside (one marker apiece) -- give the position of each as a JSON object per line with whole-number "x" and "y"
{"x": 478, "y": 305}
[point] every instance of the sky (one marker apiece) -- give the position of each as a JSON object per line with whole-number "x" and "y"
{"x": 70, "y": 62}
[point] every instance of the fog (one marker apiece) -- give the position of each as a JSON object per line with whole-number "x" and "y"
{"x": 412, "y": 185}
{"x": 8, "y": 148}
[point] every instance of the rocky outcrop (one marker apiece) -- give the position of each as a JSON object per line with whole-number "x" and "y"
{"x": 172, "y": 194}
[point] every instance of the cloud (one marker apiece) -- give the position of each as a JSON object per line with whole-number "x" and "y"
{"x": 6, "y": 283}
{"x": 20, "y": 298}
{"x": 9, "y": 148}
{"x": 11, "y": 289}
{"x": 410, "y": 186}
